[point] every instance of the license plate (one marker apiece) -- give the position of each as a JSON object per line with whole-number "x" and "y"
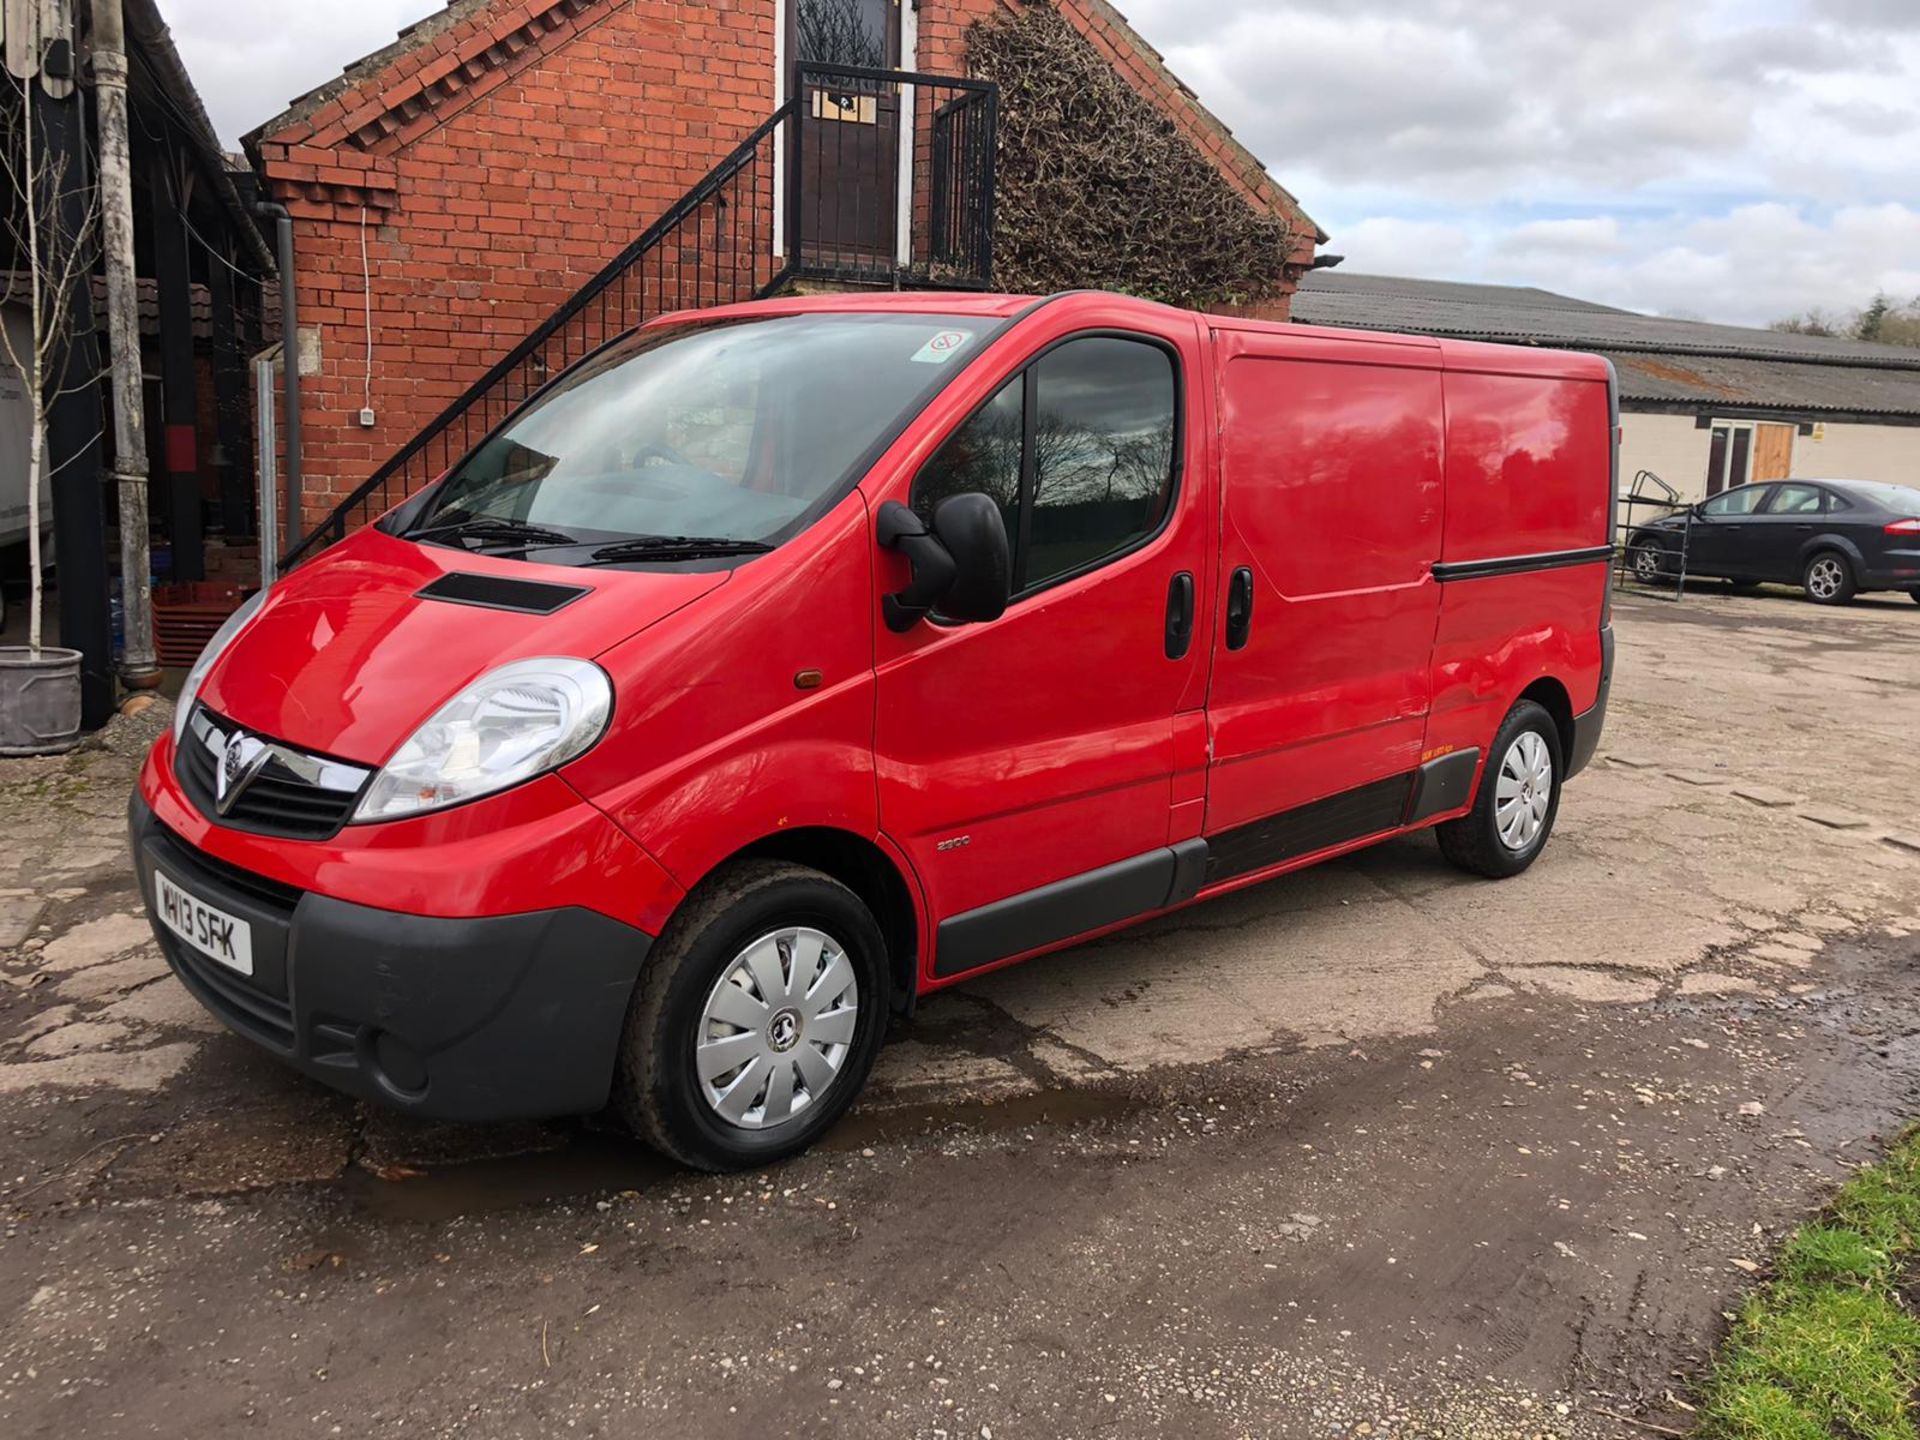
{"x": 209, "y": 929}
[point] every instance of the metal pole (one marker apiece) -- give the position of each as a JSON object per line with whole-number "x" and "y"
{"x": 75, "y": 410}
{"x": 138, "y": 668}
{"x": 289, "y": 365}
{"x": 263, "y": 449}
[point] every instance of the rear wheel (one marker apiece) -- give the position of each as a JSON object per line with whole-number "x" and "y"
{"x": 1519, "y": 797}
{"x": 756, "y": 1020}
{"x": 1828, "y": 579}
{"x": 1651, "y": 564}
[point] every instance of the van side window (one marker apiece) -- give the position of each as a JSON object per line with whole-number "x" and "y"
{"x": 1102, "y": 454}
{"x": 983, "y": 455}
{"x": 1098, "y": 477}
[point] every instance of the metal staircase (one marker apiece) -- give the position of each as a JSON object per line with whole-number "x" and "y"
{"x": 884, "y": 177}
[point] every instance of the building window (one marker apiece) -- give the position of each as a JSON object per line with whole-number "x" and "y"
{"x": 1729, "y": 456}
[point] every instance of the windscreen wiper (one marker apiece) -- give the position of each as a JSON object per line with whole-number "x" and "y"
{"x": 495, "y": 528}
{"x": 678, "y": 547}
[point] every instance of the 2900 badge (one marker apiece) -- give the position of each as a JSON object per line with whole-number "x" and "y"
{"x": 209, "y": 929}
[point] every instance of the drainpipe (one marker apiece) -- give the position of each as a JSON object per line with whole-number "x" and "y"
{"x": 138, "y": 667}
{"x": 289, "y": 362}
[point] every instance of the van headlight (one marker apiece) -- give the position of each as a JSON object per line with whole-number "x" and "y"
{"x": 510, "y": 725}
{"x": 197, "y": 676}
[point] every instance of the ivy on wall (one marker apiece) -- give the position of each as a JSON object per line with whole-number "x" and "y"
{"x": 1096, "y": 188}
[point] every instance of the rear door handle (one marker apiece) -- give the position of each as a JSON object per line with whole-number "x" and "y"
{"x": 1239, "y": 608}
{"x": 1179, "y": 615}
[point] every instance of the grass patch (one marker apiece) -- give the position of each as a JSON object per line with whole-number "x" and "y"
{"x": 1828, "y": 1349}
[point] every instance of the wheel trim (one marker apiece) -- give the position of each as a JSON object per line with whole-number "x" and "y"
{"x": 1523, "y": 791}
{"x": 1824, "y": 578}
{"x": 776, "y": 1028}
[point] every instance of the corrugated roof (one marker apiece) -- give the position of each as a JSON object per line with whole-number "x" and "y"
{"x": 1516, "y": 315}
{"x": 1766, "y": 384}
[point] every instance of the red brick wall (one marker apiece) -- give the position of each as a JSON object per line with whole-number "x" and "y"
{"x": 483, "y": 213}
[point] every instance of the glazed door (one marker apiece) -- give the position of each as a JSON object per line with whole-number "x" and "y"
{"x": 1020, "y": 758}
{"x": 1331, "y": 489}
{"x": 849, "y": 183}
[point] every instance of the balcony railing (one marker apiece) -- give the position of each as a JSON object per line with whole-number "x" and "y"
{"x": 891, "y": 179}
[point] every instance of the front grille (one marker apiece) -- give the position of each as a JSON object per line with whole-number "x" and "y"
{"x": 252, "y": 1012}
{"x": 292, "y": 793}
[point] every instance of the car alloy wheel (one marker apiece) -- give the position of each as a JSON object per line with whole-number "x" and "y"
{"x": 777, "y": 1028}
{"x": 1523, "y": 791}
{"x": 1646, "y": 563}
{"x": 1826, "y": 578}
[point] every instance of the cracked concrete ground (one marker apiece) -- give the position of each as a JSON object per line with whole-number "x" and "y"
{"x": 1372, "y": 1149}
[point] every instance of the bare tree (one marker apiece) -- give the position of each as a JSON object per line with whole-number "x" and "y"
{"x": 49, "y": 261}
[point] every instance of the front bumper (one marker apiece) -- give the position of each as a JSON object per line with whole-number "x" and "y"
{"x": 1587, "y": 727}
{"x": 503, "y": 1017}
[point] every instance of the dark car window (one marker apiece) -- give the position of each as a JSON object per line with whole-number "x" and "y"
{"x": 1901, "y": 499}
{"x": 1096, "y": 475}
{"x": 1797, "y": 500}
{"x": 1743, "y": 501}
{"x": 983, "y": 455}
{"x": 1102, "y": 453}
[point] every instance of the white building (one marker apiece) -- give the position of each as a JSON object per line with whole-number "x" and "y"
{"x": 1702, "y": 406}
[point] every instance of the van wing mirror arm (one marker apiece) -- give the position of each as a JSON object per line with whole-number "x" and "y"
{"x": 934, "y": 570}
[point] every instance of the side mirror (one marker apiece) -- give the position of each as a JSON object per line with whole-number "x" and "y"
{"x": 962, "y": 563}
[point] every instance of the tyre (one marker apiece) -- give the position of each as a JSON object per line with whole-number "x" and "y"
{"x": 1519, "y": 797}
{"x": 1828, "y": 578}
{"x": 1652, "y": 563}
{"x": 756, "y": 1019}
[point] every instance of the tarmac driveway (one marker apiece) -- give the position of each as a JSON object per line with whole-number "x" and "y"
{"x": 1370, "y": 1150}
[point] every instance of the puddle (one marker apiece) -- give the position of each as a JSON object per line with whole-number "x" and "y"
{"x": 602, "y": 1162}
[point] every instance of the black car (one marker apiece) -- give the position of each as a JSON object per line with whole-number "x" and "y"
{"x": 1833, "y": 538}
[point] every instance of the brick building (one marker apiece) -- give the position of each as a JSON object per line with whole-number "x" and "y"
{"x": 455, "y": 190}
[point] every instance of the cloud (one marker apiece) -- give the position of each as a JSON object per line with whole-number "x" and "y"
{"x": 1752, "y": 265}
{"x": 1737, "y": 159}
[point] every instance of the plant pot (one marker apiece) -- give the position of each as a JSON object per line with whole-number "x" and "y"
{"x": 39, "y": 700}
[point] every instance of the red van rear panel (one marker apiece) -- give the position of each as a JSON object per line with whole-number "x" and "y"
{"x": 1528, "y": 525}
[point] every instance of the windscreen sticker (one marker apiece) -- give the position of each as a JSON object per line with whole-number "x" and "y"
{"x": 942, "y": 347}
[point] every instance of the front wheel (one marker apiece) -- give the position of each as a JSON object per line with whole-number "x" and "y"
{"x": 756, "y": 1020}
{"x": 1829, "y": 579}
{"x": 1519, "y": 797}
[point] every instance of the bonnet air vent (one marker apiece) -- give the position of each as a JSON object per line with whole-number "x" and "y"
{"x": 496, "y": 592}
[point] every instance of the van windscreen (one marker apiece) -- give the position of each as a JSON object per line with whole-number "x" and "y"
{"x": 738, "y": 431}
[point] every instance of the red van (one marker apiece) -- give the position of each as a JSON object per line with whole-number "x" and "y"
{"x": 783, "y": 663}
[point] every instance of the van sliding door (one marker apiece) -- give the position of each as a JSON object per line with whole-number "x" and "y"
{"x": 1330, "y": 470}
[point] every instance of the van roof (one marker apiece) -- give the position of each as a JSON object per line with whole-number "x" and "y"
{"x": 1462, "y": 355}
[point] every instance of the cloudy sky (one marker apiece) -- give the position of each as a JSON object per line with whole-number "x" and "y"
{"x": 1728, "y": 159}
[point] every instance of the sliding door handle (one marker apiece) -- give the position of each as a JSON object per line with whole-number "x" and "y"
{"x": 1239, "y": 608}
{"x": 1179, "y": 616}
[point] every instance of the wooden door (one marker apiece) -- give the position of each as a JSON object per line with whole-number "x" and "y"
{"x": 850, "y": 128}
{"x": 1772, "y": 452}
